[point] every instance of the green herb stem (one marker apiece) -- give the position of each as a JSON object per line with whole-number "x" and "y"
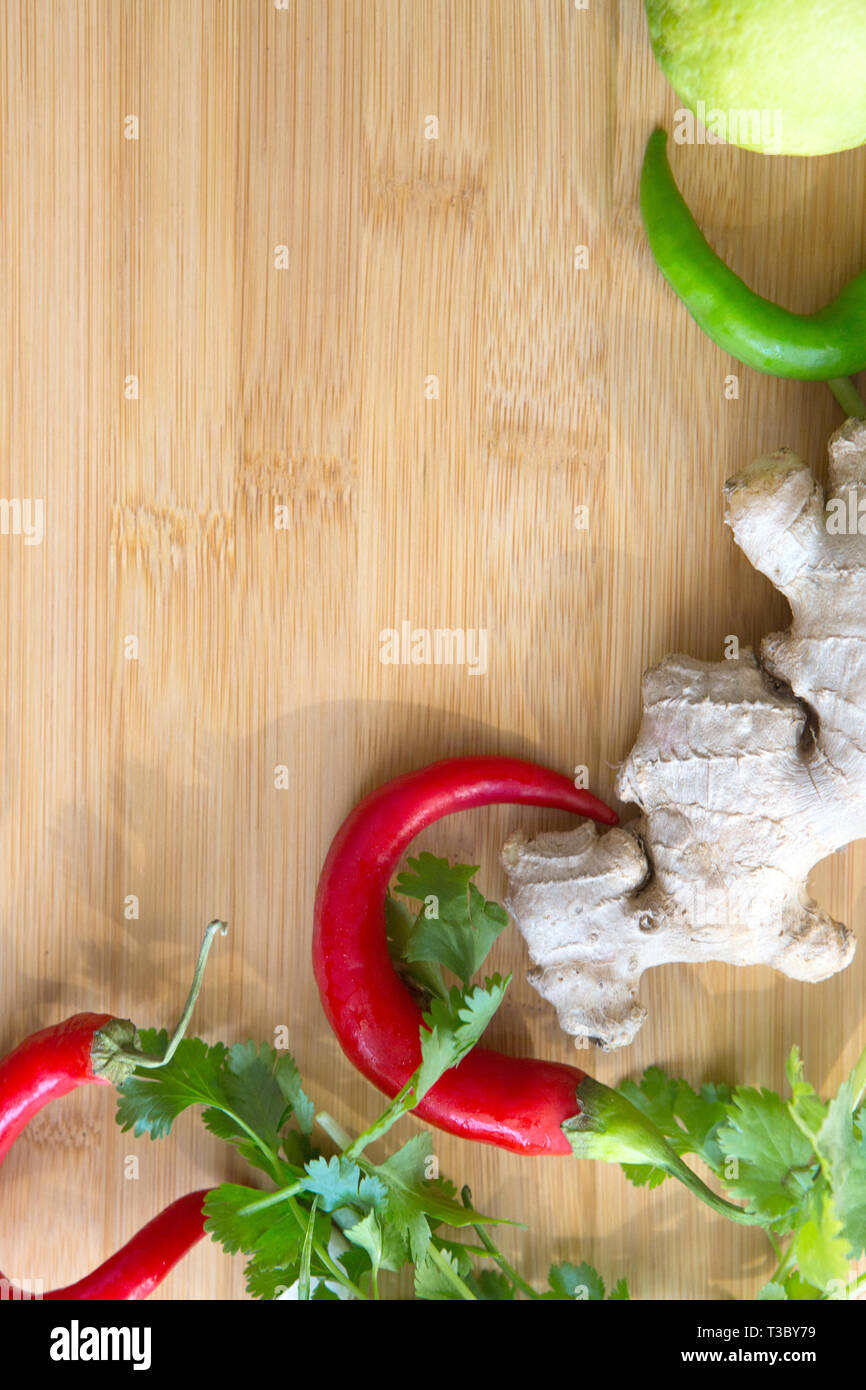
{"x": 858, "y": 1080}
{"x": 493, "y": 1250}
{"x": 334, "y": 1130}
{"x": 272, "y": 1200}
{"x": 339, "y": 1274}
{"x": 450, "y": 1274}
{"x": 400, "y": 1106}
{"x": 784, "y": 1267}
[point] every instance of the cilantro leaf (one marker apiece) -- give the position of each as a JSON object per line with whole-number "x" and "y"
{"x": 399, "y": 923}
{"x": 296, "y": 1147}
{"x": 288, "y": 1079}
{"x": 276, "y": 1262}
{"x": 414, "y": 1202}
{"x": 356, "y": 1262}
{"x": 577, "y": 1283}
{"x": 338, "y": 1182}
{"x": 227, "y": 1127}
{"x": 451, "y": 1028}
{"x": 490, "y": 1286}
{"x": 456, "y": 926}
{"x": 279, "y": 1243}
{"x": 149, "y": 1102}
{"x": 431, "y": 1281}
{"x": 251, "y": 1090}
{"x": 273, "y": 1236}
{"x": 774, "y": 1163}
{"x": 455, "y": 1027}
{"x": 443, "y": 1187}
{"x": 323, "y": 1293}
{"x": 841, "y": 1144}
{"x": 799, "y": 1291}
{"x": 390, "y": 1213}
{"x": 771, "y": 1293}
{"x": 702, "y": 1113}
{"x": 248, "y": 1091}
{"x": 227, "y": 1222}
{"x": 819, "y": 1248}
{"x": 403, "y": 1176}
{"x": 269, "y": 1281}
{"x": 688, "y": 1119}
{"x": 644, "y": 1174}
{"x": 805, "y": 1105}
{"x": 794, "y": 1288}
{"x": 455, "y": 1248}
{"x": 368, "y": 1235}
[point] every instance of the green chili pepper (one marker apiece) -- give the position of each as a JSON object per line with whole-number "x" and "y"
{"x": 823, "y": 346}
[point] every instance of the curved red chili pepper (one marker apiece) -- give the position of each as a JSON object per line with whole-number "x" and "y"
{"x": 518, "y": 1103}
{"x": 51, "y": 1063}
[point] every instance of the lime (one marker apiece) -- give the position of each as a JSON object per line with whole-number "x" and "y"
{"x": 778, "y": 76}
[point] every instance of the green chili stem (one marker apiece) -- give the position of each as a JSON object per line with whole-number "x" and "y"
{"x": 608, "y": 1127}
{"x": 848, "y": 396}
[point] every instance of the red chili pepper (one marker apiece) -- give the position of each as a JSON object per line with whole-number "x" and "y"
{"x": 51, "y": 1063}
{"x": 101, "y": 1050}
{"x": 518, "y": 1103}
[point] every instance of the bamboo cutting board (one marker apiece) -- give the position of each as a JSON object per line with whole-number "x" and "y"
{"x": 171, "y": 377}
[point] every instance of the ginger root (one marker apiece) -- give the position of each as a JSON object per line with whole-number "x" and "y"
{"x": 747, "y": 772}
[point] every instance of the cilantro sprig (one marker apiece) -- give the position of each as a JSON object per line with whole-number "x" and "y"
{"x": 799, "y": 1164}
{"x": 331, "y": 1225}
{"x": 453, "y": 928}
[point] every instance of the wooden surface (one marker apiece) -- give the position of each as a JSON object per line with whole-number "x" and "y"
{"x": 305, "y": 387}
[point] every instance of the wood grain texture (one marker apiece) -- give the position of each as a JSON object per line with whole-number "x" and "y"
{"x": 305, "y": 387}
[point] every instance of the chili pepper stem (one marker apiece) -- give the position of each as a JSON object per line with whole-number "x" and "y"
{"x": 183, "y": 1022}
{"x": 610, "y": 1128}
{"x": 116, "y": 1053}
{"x": 848, "y": 396}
